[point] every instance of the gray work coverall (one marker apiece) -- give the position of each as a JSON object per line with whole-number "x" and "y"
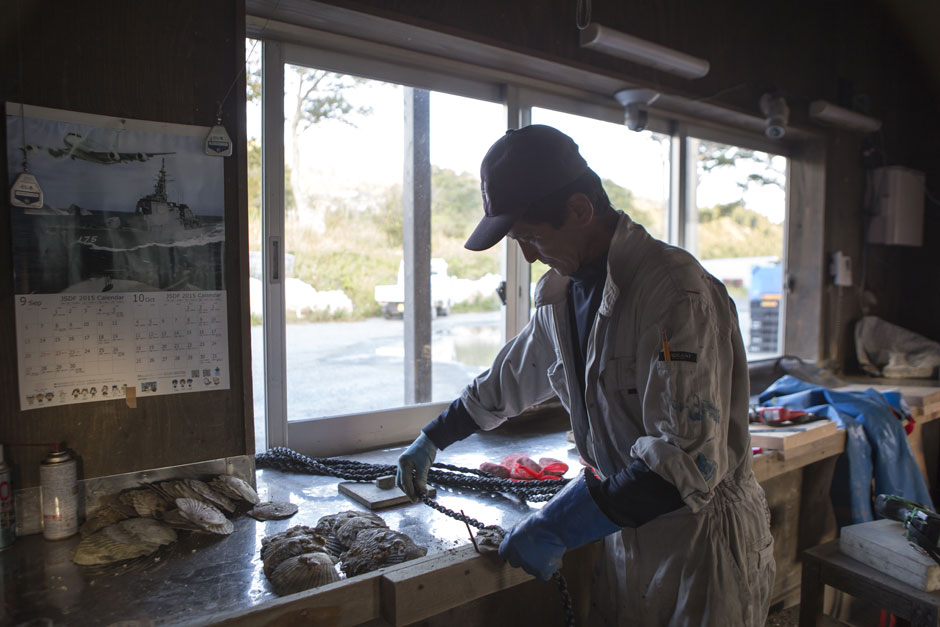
{"x": 710, "y": 562}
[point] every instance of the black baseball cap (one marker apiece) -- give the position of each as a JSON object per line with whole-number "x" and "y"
{"x": 522, "y": 167}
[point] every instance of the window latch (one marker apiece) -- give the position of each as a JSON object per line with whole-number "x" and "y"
{"x": 501, "y": 292}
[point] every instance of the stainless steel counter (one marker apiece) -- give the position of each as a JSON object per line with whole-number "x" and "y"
{"x": 200, "y": 575}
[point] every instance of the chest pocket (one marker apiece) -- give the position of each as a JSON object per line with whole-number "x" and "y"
{"x": 620, "y": 386}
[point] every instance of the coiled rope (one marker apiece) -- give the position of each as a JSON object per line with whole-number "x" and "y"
{"x": 445, "y": 475}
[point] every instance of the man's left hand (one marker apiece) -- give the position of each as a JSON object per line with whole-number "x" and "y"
{"x": 569, "y": 520}
{"x": 534, "y": 549}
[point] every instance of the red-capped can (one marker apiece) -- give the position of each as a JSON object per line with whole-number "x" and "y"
{"x": 58, "y": 483}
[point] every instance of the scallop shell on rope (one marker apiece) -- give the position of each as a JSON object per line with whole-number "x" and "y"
{"x": 303, "y": 572}
{"x": 345, "y": 533}
{"x": 275, "y": 553}
{"x": 326, "y": 524}
{"x": 374, "y": 548}
{"x": 296, "y": 559}
{"x": 296, "y": 530}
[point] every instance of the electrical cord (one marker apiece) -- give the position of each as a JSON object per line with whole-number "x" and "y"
{"x": 446, "y": 475}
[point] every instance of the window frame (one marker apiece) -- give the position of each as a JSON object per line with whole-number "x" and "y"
{"x": 283, "y": 43}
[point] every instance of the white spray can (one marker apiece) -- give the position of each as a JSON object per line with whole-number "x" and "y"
{"x": 7, "y": 515}
{"x": 58, "y": 483}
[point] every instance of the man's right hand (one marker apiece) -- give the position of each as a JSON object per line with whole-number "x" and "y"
{"x": 413, "y": 466}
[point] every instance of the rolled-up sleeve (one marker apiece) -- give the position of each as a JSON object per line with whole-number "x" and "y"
{"x": 518, "y": 378}
{"x": 686, "y": 399}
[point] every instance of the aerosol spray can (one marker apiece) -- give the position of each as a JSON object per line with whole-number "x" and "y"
{"x": 7, "y": 516}
{"x": 58, "y": 483}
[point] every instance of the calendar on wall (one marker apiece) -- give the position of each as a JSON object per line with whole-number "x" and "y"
{"x": 118, "y": 265}
{"x": 87, "y": 347}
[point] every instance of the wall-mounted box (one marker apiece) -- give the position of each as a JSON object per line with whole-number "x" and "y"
{"x": 897, "y": 203}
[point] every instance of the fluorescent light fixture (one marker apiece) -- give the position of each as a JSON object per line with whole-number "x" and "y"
{"x": 828, "y": 113}
{"x": 617, "y": 44}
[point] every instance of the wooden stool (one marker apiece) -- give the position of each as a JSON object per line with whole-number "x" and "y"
{"x": 825, "y": 565}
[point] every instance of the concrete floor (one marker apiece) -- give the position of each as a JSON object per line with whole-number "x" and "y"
{"x": 789, "y": 617}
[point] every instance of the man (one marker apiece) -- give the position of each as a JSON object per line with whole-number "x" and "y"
{"x": 642, "y": 347}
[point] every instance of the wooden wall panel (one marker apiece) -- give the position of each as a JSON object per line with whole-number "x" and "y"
{"x": 168, "y": 61}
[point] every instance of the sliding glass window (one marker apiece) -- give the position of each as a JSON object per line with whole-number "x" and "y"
{"x": 381, "y": 189}
{"x": 736, "y": 228}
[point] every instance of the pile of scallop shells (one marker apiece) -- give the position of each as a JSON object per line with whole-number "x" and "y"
{"x": 306, "y": 557}
{"x": 136, "y": 522}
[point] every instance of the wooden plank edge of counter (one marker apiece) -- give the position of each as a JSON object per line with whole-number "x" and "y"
{"x": 400, "y": 594}
{"x": 343, "y": 603}
{"x": 423, "y": 588}
{"x": 773, "y": 463}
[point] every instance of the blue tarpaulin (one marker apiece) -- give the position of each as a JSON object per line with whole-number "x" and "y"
{"x": 876, "y": 446}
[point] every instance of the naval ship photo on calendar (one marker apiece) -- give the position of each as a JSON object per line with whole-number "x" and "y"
{"x": 122, "y": 209}
{"x": 118, "y": 257}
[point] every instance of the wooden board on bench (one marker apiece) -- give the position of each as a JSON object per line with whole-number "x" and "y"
{"x": 374, "y": 497}
{"x": 790, "y": 436}
{"x": 881, "y": 545}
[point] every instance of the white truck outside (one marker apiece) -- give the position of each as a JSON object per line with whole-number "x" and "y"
{"x": 392, "y": 297}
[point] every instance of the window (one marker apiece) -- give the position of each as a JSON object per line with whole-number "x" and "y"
{"x": 737, "y": 231}
{"x": 345, "y": 273}
{"x": 380, "y": 190}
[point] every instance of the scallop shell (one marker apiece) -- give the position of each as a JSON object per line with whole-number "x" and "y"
{"x": 235, "y": 488}
{"x": 174, "y": 519}
{"x": 98, "y": 548}
{"x": 204, "y": 516}
{"x": 303, "y": 572}
{"x": 296, "y": 530}
{"x": 149, "y": 530}
{"x": 208, "y": 495}
{"x": 277, "y": 552}
{"x": 172, "y": 489}
{"x": 299, "y": 531}
{"x": 222, "y": 529}
{"x": 106, "y": 515}
{"x": 124, "y": 540}
{"x": 273, "y": 510}
{"x": 327, "y": 523}
{"x": 145, "y": 502}
{"x": 345, "y": 533}
{"x": 374, "y": 548}
{"x": 489, "y": 538}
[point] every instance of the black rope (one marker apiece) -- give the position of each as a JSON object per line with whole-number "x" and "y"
{"x": 473, "y": 522}
{"x": 446, "y": 475}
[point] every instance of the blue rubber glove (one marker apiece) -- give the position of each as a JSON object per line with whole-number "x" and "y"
{"x": 569, "y": 520}
{"x": 413, "y": 466}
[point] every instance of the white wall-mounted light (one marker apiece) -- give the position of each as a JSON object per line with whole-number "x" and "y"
{"x": 615, "y": 43}
{"x": 634, "y": 103}
{"x": 828, "y": 113}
